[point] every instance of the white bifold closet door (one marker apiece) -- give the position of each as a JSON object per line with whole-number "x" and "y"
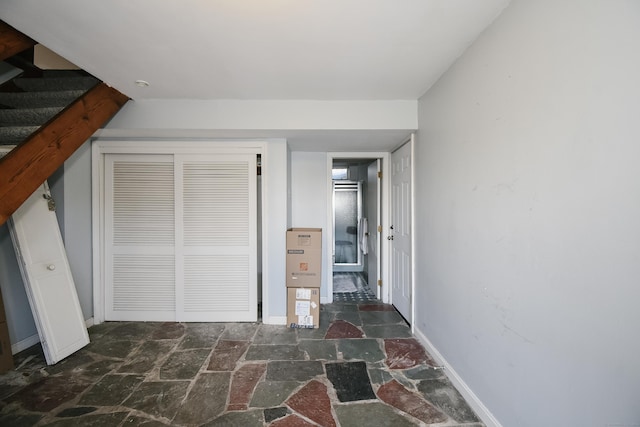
{"x": 181, "y": 237}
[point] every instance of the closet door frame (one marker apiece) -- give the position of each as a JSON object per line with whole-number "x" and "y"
{"x": 101, "y": 147}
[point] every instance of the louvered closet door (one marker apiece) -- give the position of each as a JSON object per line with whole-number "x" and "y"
{"x": 217, "y": 242}
{"x": 140, "y": 237}
{"x": 181, "y": 233}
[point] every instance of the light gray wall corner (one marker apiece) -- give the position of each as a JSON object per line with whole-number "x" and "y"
{"x": 527, "y": 192}
{"x": 77, "y": 224}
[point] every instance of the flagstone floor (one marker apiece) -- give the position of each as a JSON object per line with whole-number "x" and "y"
{"x": 362, "y": 367}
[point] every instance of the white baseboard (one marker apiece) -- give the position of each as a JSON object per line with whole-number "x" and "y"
{"x": 275, "y": 320}
{"x": 89, "y": 322}
{"x": 25, "y": 344}
{"x": 476, "y": 404}
{"x": 326, "y": 300}
{"x": 35, "y": 339}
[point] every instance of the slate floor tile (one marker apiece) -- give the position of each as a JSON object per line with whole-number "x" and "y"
{"x": 168, "y": 331}
{"x": 350, "y": 381}
{"x": 49, "y": 393}
{"x": 352, "y": 317}
{"x": 271, "y": 414}
{"x": 379, "y": 375}
{"x": 381, "y": 317}
{"x": 20, "y": 419}
{"x": 294, "y": 370}
{"x": 146, "y": 356}
{"x": 274, "y": 352}
{"x": 239, "y": 331}
{"x": 319, "y": 349}
{"x": 206, "y": 400}
{"x": 371, "y": 414}
{"x": 134, "y": 331}
{"x": 387, "y": 331}
{"x": 243, "y": 383}
{"x": 443, "y": 395}
{"x": 313, "y": 402}
{"x": 342, "y": 329}
{"x": 183, "y": 365}
{"x": 376, "y": 307}
{"x": 113, "y": 419}
{"x": 74, "y": 361}
{"x": 137, "y": 421}
{"x": 76, "y": 411}
{"x": 201, "y": 335}
{"x": 275, "y": 334}
{"x": 292, "y": 420}
{"x": 413, "y": 404}
{"x": 226, "y": 355}
{"x": 251, "y": 418}
{"x": 405, "y": 353}
{"x": 272, "y": 393}
{"x": 158, "y": 398}
{"x": 112, "y": 348}
{"x": 111, "y": 390}
{"x": 363, "y": 349}
{"x": 424, "y": 372}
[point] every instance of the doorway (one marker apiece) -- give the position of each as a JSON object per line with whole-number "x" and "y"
{"x": 356, "y": 222}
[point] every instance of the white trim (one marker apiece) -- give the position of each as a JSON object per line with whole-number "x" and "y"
{"x": 89, "y": 322}
{"x": 413, "y": 231}
{"x": 25, "y": 344}
{"x": 386, "y": 188}
{"x": 472, "y": 399}
{"x": 275, "y": 320}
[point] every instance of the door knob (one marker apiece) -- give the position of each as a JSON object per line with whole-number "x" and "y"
{"x": 51, "y": 267}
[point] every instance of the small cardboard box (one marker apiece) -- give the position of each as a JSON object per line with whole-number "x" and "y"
{"x": 303, "y": 308}
{"x": 6, "y": 358}
{"x": 304, "y": 257}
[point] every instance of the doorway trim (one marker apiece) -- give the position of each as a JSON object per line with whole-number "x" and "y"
{"x": 385, "y": 293}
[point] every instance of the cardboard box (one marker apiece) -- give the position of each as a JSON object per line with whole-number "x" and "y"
{"x": 303, "y": 308}
{"x": 304, "y": 257}
{"x": 6, "y": 358}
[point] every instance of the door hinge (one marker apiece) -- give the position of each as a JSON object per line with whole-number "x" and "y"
{"x": 379, "y": 229}
{"x": 379, "y": 174}
{"x": 379, "y": 282}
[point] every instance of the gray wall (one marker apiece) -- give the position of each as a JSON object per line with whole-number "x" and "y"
{"x": 528, "y": 207}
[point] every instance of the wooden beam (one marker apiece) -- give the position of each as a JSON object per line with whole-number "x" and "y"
{"x": 27, "y": 166}
{"x": 12, "y": 41}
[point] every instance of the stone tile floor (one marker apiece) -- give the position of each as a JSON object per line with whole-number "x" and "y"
{"x": 360, "y": 368}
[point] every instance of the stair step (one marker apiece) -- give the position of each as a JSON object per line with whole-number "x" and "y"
{"x": 55, "y": 83}
{"x": 15, "y": 134}
{"x": 27, "y": 116}
{"x": 39, "y": 99}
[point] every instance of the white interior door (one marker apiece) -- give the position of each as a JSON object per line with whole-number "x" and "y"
{"x": 47, "y": 277}
{"x": 400, "y": 233}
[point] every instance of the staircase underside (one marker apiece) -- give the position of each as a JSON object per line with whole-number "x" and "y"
{"x": 48, "y": 118}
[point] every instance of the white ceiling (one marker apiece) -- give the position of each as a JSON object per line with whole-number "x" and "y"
{"x": 259, "y": 49}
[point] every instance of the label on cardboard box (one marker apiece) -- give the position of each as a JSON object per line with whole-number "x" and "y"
{"x": 303, "y": 294}
{"x": 303, "y": 308}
